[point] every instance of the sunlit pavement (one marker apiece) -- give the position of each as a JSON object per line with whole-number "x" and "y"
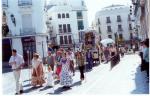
{"x": 124, "y": 78}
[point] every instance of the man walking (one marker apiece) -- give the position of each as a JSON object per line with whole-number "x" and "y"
{"x": 17, "y": 61}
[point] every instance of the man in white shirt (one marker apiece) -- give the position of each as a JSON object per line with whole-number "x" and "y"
{"x": 17, "y": 61}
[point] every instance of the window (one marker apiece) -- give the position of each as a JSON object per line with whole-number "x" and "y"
{"x": 120, "y": 28}
{"x": 98, "y": 21}
{"x": 80, "y": 25}
{"x": 129, "y": 18}
{"x": 5, "y": 3}
{"x": 65, "y": 37}
{"x": 109, "y": 36}
{"x": 68, "y": 26}
{"x": 108, "y": 20}
{"x": 100, "y": 38}
{"x": 63, "y": 15}
{"x": 120, "y": 36}
{"x": 50, "y": 18}
{"x": 131, "y": 36}
{"x": 70, "y": 39}
{"x": 64, "y": 28}
{"x": 83, "y": 3}
{"x": 27, "y": 24}
{"x": 60, "y": 28}
{"x": 130, "y": 27}
{"x": 67, "y": 15}
{"x": 118, "y": 18}
{"x": 109, "y": 29}
{"x": 4, "y": 17}
{"x": 61, "y": 40}
{"x": 99, "y": 30}
{"x": 79, "y": 15}
{"x": 59, "y": 15}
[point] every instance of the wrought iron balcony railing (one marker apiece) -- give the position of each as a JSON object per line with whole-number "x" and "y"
{"x": 27, "y": 31}
{"x": 4, "y": 3}
{"x": 24, "y": 2}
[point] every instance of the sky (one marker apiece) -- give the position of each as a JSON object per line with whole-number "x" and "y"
{"x": 96, "y": 5}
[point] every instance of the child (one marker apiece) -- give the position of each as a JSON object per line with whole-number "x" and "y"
{"x": 50, "y": 79}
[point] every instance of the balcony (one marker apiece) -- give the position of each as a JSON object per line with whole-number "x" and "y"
{"x": 120, "y": 29}
{"x": 129, "y": 19}
{"x": 119, "y": 20}
{"x": 79, "y": 17}
{"x": 130, "y": 28}
{"x": 24, "y": 3}
{"x": 80, "y": 27}
{"x": 27, "y": 31}
{"x": 109, "y": 31}
{"x": 108, "y": 21}
{"x": 4, "y": 3}
{"x": 61, "y": 31}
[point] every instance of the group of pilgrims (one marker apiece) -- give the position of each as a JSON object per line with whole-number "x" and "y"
{"x": 62, "y": 64}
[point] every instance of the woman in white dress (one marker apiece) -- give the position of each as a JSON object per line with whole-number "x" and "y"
{"x": 65, "y": 74}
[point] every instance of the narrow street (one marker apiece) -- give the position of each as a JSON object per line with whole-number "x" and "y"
{"x": 124, "y": 78}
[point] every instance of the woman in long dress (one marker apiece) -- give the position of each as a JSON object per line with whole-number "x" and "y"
{"x": 65, "y": 75}
{"x": 37, "y": 71}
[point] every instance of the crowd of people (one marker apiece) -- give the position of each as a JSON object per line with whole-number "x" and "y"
{"x": 112, "y": 53}
{"x": 61, "y": 64}
{"x": 144, "y": 54}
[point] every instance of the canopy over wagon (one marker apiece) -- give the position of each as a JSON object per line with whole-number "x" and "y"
{"x": 106, "y": 42}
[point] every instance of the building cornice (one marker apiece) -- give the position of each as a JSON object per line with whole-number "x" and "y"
{"x": 19, "y": 36}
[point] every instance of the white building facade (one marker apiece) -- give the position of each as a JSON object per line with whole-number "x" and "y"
{"x": 27, "y": 28}
{"x": 141, "y": 12}
{"x": 112, "y": 20}
{"x": 65, "y": 18}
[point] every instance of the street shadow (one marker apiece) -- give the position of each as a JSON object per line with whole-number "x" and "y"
{"x": 31, "y": 89}
{"x": 76, "y": 84}
{"x": 142, "y": 87}
{"x": 56, "y": 82}
{"x": 27, "y": 80}
{"x": 86, "y": 69}
{"x": 96, "y": 64}
{"x": 6, "y": 70}
{"x": 60, "y": 90}
{"x": 27, "y": 85}
{"x": 45, "y": 88}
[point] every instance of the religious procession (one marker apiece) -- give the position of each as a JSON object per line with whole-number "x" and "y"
{"x": 61, "y": 64}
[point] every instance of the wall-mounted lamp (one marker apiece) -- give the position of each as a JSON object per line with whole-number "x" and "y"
{"x": 13, "y": 19}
